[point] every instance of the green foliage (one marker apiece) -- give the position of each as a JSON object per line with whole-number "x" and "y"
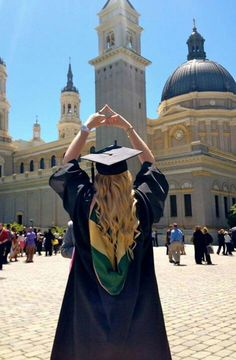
{"x": 18, "y": 227}
{"x": 59, "y": 230}
{"x": 232, "y": 216}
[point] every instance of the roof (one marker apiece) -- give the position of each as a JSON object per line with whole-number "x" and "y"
{"x": 198, "y": 75}
{"x": 110, "y": 2}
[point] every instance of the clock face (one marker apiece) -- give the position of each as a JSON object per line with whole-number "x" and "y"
{"x": 179, "y": 134}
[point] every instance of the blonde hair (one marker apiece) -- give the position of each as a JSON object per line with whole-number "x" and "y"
{"x": 205, "y": 230}
{"x": 116, "y": 207}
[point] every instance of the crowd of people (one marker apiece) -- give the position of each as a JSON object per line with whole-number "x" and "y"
{"x": 28, "y": 242}
{"x": 202, "y": 241}
{"x": 32, "y": 241}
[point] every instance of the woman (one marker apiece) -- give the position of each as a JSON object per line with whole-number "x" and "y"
{"x": 208, "y": 240}
{"x": 228, "y": 243}
{"x": 14, "y": 245}
{"x": 111, "y": 308}
{"x": 199, "y": 244}
{"x": 30, "y": 245}
{"x": 221, "y": 241}
{"x": 21, "y": 239}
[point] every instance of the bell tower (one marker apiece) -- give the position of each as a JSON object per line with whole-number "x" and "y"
{"x": 120, "y": 70}
{"x": 69, "y": 123}
{"x": 6, "y": 146}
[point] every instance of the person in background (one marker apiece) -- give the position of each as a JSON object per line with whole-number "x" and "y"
{"x": 199, "y": 245}
{"x": 48, "y": 239}
{"x": 15, "y": 248}
{"x": 176, "y": 244}
{"x": 228, "y": 243}
{"x": 208, "y": 241}
{"x": 39, "y": 244}
{"x": 154, "y": 238}
{"x": 4, "y": 237}
{"x": 30, "y": 245}
{"x": 7, "y": 248}
{"x": 167, "y": 243}
{"x": 21, "y": 240}
{"x": 68, "y": 242}
{"x": 233, "y": 237}
{"x": 221, "y": 241}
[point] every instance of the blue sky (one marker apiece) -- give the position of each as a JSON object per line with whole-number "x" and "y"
{"x": 38, "y": 37}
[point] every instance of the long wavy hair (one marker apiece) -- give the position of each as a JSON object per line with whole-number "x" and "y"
{"x": 116, "y": 207}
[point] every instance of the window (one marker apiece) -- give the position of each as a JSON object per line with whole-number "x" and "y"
{"x": 69, "y": 109}
{"x": 19, "y": 219}
{"x": 64, "y": 109}
{"x": 32, "y": 165}
{"x": 130, "y": 41}
{"x": 173, "y": 206}
{"x": 0, "y": 170}
{"x": 217, "y": 209}
{"x": 53, "y": 161}
{"x": 42, "y": 164}
{"x": 110, "y": 40}
{"x": 226, "y": 205}
{"x": 187, "y": 205}
{"x": 22, "y": 168}
{"x": 233, "y": 200}
{"x": 75, "y": 109}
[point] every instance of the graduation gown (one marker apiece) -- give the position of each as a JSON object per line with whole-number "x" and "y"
{"x": 93, "y": 324}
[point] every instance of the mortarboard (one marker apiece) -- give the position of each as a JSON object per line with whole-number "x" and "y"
{"x": 112, "y": 159}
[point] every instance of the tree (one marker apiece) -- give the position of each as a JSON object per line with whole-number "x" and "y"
{"x": 232, "y": 216}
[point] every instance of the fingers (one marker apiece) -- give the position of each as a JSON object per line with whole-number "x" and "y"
{"x": 107, "y": 111}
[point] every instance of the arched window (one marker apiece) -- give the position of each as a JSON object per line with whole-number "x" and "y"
{"x": 130, "y": 40}
{"x": 64, "y": 109}
{"x": 22, "y": 168}
{"x": 53, "y": 161}
{"x": 110, "y": 40}
{"x": 42, "y": 163}
{"x": 75, "y": 109}
{"x": 69, "y": 109}
{"x": 31, "y": 165}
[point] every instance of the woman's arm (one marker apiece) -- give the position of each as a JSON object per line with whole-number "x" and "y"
{"x": 119, "y": 121}
{"x": 75, "y": 148}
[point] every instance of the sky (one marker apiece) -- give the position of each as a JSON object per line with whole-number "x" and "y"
{"x": 37, "y": 38}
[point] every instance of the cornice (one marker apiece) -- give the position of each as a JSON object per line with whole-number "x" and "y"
{"x": 54, "y": 146}
{"x": 196, "y": 95}
{"x": 119, "y": 51}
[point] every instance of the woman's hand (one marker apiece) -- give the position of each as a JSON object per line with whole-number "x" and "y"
{"x": 114, "y": 119}
{"x": 96, "y": 120}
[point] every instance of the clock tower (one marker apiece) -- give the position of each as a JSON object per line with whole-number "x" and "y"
{"x": 120, "y": 70}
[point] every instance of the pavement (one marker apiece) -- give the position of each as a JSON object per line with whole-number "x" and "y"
{"x": 199, "y": 304}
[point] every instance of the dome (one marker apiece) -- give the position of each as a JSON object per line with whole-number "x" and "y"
{"x": 198, "y": 75}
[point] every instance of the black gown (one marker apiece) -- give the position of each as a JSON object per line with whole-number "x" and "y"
{"x": 94, "y": 325}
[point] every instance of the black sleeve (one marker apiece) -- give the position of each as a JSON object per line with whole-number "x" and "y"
{"x": 67, "y": 181}
{"x": 154, "y": 186}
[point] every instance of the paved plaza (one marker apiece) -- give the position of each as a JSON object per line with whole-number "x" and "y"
{"x": 199, "y": 303}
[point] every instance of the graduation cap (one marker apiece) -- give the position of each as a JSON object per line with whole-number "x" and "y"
{"x": 112, "y": 159}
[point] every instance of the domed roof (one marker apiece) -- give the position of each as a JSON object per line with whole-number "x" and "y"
{"x": 198, "y": 74}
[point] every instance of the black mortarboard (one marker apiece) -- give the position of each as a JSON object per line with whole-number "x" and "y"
{"x": 112, "y": 159}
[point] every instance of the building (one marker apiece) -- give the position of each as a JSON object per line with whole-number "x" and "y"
{"x": 192, "y": 138}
